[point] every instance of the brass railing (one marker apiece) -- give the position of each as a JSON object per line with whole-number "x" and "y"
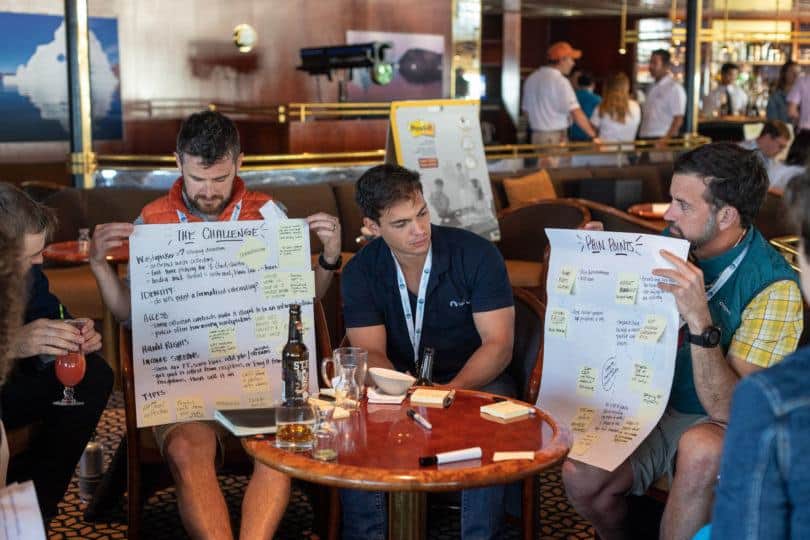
{"x": 788, "y": 246}
{"x": 371, "y": 157}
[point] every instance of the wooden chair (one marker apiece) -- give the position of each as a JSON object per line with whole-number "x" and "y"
{"x": 141, "y": 446}
{"x": 39, "y": 190}
{"x": 772, "y": 220}
{"x": 616, "y": 220}
{"x": 523, "y": 234}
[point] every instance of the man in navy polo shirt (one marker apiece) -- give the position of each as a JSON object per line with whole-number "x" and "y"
{"x": 455, "y": 291}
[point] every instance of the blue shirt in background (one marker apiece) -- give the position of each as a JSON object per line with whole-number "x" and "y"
{"x": 468, "y": 276}
{"x": 588, "y": 101}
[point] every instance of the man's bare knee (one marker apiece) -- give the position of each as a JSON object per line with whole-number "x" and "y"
{"x": 190, "y": 447}
{"x": 699, "y": 451}
{"x": 269, "y": 475}
{"x": 583, "y": 483}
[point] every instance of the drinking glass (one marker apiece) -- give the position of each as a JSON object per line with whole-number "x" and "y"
{"x": 325, "y": 444}
{"x": 295, "y": 427}
{"x": 350, "y": 366}
{"x": 70, "y": 370}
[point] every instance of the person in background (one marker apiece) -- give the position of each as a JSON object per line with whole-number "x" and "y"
{"x": 798, "y": 101}
{"x": 777, "y": 108}
{"x": 796, "y": 163}
{"x": 458, "y": 280}
{"x": 771, "y": 141}
{"x": 727, "y": 99}
{"x": 588, "y": 101}
{"x": 764, "y": 485}
{"x": 549, "y": 100}
{"x": 665, "y": 103}
{"x": 31, "y": 388}
{"x": 617, "y": 117}
{"x": 736, "y": 322}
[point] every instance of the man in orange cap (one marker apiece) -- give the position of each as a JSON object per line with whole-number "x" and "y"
{"x": 549, "y": 99}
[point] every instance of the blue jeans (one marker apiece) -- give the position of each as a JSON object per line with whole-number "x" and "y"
{"x": 365, "y": 515}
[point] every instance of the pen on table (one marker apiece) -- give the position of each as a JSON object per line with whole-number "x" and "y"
{"x": 419, "y": 419}
{"x": 450, "y": 457}
{"x": 449, "y": 398}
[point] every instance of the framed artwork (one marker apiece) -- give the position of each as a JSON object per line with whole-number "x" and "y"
{"x": 33, "y": 78}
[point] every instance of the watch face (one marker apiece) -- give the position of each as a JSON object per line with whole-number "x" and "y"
{"x": 711, "y": 336}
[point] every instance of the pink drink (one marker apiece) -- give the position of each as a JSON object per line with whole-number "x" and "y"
{"x": 70, "y": 368}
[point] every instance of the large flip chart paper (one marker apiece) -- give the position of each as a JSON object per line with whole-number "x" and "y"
{"x": 441, "y": 140}
{"x": 210, "y": 314}
{"x": 610, "y": 340}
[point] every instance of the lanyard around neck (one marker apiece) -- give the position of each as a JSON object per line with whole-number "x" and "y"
{"x": 414, "y": 326}
{"x": 726, "y": 274}
{"x": 237, "y": 208}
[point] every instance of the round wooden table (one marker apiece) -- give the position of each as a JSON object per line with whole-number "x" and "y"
{"x": 379, "y": 449}
{"x": 68, "y": 253}
{"x": 652, "y": 212}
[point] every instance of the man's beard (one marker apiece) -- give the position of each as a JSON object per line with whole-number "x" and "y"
{"x": 195, "y": 203}
{"x": 708, "y": 234}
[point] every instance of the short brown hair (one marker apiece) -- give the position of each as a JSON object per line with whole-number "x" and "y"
{"x": 775, "y": 129}
{"x": 383, "y": 186}
{"x": 797, "y": 200}
{"x": 21, "y": 215}
{"x": 11, "y": 283}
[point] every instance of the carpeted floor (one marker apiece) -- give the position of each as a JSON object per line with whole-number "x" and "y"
{"x": 161, "y": 521}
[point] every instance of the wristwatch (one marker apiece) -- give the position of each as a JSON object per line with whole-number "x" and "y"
{"x": 326, "y": 266}
{"x": 710, "y": 337}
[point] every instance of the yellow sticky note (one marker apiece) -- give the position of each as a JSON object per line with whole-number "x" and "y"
{"x": 628, "y": 432}
{"x": 558, "y": 322}
{"x": 254, "y": 380}
{"x": 155, "y": 412}
{"x": 259, "y": 400}
{"x": 565, "y": 280}
{"x": 627, "y": 288}
{"x": 189, "y": 408}
{"x": 641, "y": 377}
{"x": 225, "y": 403}
{"x": 302, "y": 284}
{"x": 291, "y": 246}
{"x": 268, "y": 326}
{"x": 584, "y": 443}
{"x": 586, "y": 381}
{"x": 276, "y": 285}
{"x": 652, "y": 329}
{"x": 582, "y": 420}
{"x": 253, "y": 253}
{"x": 221, "y": 341}
{"x": 651, "y": 399}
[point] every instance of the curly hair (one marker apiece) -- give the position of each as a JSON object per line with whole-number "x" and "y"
{"x": 384, "y": 185}
{"x": 209, "y": 135}
{"x": 10, "y": 286}
{"x": 734, "y": 176}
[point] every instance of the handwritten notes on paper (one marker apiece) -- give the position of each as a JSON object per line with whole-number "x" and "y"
{"x": 610, "y": 340}
{"x": 209, "y": 314}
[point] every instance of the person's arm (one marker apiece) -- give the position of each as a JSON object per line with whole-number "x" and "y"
{"x": 372, "y": 339}
{"x": 714, "y": 374}
{"x": 579, "y": 119}
{"x": 752, "y": 505}
{"x": 327, "y": 228}
{"x": 114, "y": 291}
{"x": 497, "y": 331}
{"x": 793, "y": 110}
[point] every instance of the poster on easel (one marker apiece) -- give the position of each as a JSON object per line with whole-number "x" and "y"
{"x": 210, "y": 313}
{"x": 610, "y": 340}
{"x": 441, "y": 140}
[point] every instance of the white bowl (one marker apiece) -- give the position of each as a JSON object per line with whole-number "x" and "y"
{"x": 390, "y": 381}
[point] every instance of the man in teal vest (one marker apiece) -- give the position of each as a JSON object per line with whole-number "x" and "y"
{"x": 741, "y": 309}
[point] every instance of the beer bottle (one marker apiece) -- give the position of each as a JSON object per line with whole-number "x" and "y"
{"x": 295, "y": 362}
{"x": 425, "y": 377}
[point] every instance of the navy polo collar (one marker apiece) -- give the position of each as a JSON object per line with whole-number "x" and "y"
{"x": 441, "y": 260}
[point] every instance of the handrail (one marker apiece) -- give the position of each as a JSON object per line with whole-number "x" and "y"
{"x": 370, "y": 157}
{"x": 788, "y": 246}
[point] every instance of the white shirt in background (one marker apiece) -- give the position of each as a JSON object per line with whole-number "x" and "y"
{"x": 780, "y": 174}
{"x": 612, "y": 130}
{"x": 666, "y": 99}
{"x": 713, "y": 101}
{"x": 548, "y": 99}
